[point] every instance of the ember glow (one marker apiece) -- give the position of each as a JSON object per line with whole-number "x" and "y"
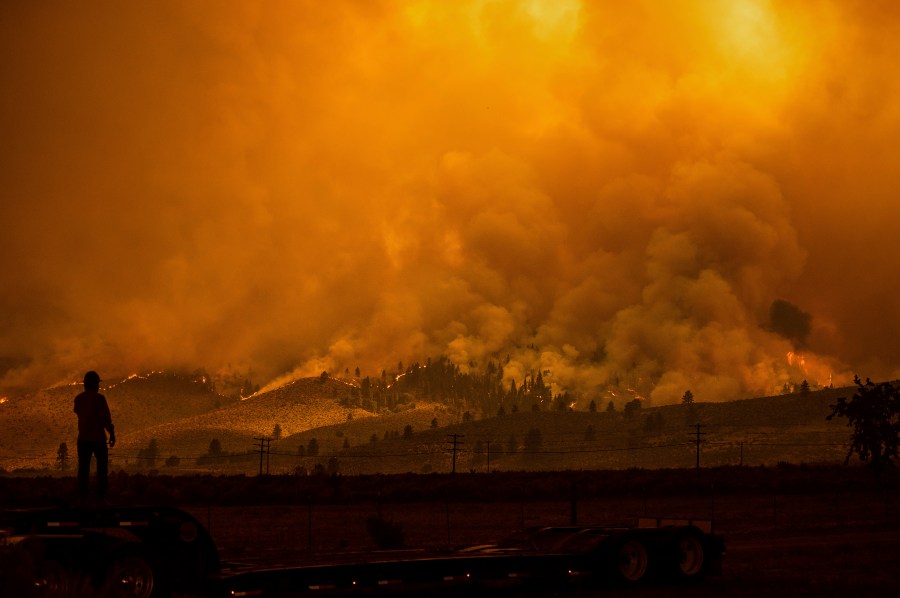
{"x": 614, "y": 192}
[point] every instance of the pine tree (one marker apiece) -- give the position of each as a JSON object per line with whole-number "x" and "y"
{"x": 215, "y": 448}
{"x": 150, "y": 454}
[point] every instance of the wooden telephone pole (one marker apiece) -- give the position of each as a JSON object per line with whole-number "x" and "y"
{"x": 455, "y": 442}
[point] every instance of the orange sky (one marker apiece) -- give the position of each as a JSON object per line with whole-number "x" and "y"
{"x": 600, "y": 189}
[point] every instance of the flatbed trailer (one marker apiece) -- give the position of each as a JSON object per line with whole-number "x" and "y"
{"x": 152, "y": 552}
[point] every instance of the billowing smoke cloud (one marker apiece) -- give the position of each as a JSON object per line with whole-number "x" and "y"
{"x": 790, "y": 321}
{"x": 612, "y": 192}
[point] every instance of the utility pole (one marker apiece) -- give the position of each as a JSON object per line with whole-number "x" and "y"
{"x": 489, "y": 456}
{"x": 698, "y": 440}
{"x": 455, "y": 442}
{"x": 263, "y": 446}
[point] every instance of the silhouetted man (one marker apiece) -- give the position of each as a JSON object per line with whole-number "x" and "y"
{"x": 94, "y": 420}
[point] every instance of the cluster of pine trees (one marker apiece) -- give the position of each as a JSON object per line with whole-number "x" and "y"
{"x": 440, "y": 380}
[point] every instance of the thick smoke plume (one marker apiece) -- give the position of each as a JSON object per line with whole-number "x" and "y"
{"x": 614, "y": 193}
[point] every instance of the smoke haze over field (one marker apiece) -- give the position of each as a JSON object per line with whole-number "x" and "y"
{"x": 609, "y": 191}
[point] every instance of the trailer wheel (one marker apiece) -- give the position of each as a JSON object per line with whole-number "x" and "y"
{"x": 632, "y": 561}
{"x": 52, "y": 580}
{"x": 689, "y": 556}
{"x": 129, "y": 577}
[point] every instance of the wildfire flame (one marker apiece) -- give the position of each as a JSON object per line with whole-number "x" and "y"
{"x": 797, "y": 360}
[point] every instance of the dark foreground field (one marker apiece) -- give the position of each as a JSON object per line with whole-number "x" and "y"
{"x": 789, "y": 530}
{"x": 811, "y": 550}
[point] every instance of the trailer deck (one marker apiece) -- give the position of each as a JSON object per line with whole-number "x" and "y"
{"x": 147, "y": 552}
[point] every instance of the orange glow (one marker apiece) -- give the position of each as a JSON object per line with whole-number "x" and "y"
{"x": 797, "y": 360}
{"x": 613, "y": 191}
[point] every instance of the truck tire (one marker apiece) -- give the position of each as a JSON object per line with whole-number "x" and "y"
{"x": 46, "y": 570}
{"x": 688, "y": 556}
{"x": 130, "y": 576}
{"x": 52, "y": 579}
{"x": 632, "y": 560}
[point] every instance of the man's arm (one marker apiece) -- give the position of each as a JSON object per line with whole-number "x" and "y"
{"x": 107, "y": 424}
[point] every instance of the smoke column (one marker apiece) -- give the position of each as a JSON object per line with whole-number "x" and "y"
{"x": 616, "y": 193}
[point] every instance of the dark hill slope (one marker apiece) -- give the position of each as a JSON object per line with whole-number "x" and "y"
{"x": 35, "y": 424}
{"x": 296, "y": 407}
{"x": 756, "y": 431}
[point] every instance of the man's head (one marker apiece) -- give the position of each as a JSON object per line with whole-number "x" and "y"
{"x": 92, "y": 381}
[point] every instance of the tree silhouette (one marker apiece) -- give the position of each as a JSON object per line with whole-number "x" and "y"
{"x": 312, "y": 449}
{"x": 534, "y": 440}
{"x": 592, "y": 407}
{"x": 215, "y": 448}
{"x": 874, "y": 413}
{"x": 276, "y": 432}
{"x": 687, "y": 398}
{"x": 150, "y": 454}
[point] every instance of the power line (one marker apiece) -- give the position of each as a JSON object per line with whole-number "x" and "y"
{"x": 264, "y": 444}
{"x": 455, "y": 442}
{"x": 698, "y": 440}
